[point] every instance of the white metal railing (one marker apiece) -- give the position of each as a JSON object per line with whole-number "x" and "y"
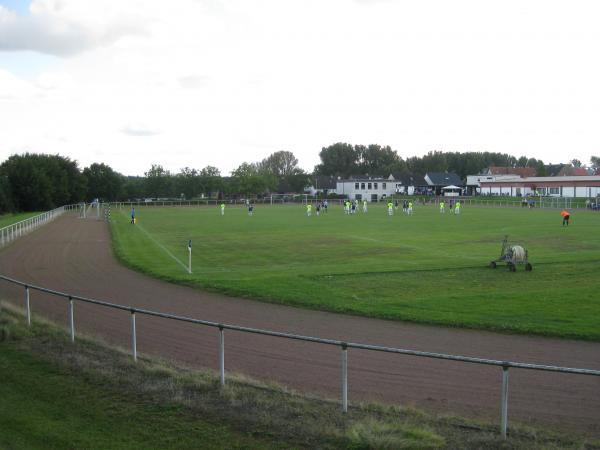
{"x": 344, "y": 346}
{"x": 13, "y": 231}
{"x": 489, "y": 202}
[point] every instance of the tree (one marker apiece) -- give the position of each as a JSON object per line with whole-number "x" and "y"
{"x": 281, "y": 164}
{"x": 187, "y": 182}
{"x": 211, "y": 181}
{"x": 6, "y": 203}
{"x": 158, "y": 182}
{"x": 595, "y": 163}
{"x": 103, "y": 182}
{"x": 575, "y": 163}
{"x": 377, "y": 160}
{"x": 338, "y": 159}
{"x": 283, "y": 167}
{"x": 541, "y": 169}
{"x": 41, "y": 182}
{"x": 247, "y": 180}
{"x": 133, "y": 187}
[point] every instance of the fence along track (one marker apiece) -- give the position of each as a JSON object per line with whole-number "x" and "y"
{"x": 15, "y": 230}
{"x": 344, "y": 346}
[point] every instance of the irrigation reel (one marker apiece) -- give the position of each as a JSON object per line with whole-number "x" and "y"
{"x": 512, "y": 255}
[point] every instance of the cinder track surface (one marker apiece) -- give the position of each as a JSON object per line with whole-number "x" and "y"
{"x": 75, "y": 256}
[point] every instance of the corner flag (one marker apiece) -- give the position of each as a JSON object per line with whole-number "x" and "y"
{"x": 190, "y": 256}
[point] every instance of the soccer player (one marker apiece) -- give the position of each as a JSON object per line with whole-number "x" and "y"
{"x": 390, "y": 206}
{"x": 308, "y": 209}
{"x": 405, "y": 206}
{"x": 410, "y": 208}
{"x": 566, "y": 216}
{"x": 347, "y": 206}
{"x": 132, "y": 214}
{"x": 318, "y": 209}
{"x": 442, "y": 207}
{"x": 364, "y": 206}
{"x": 222, "y": 209}
{"x": 250, "y": 209}
{"x": 396, "y": 205}
{"x": 457, "y": 207}
{"x": 325, "y": 205}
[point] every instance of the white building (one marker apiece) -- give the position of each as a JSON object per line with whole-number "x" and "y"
{"x": 371, "y": 189}
{"x": 474, "y": 181}
{"x": 567, "y": 186}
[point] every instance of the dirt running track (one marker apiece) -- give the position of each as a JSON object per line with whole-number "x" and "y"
{"x": 75, "y": 256}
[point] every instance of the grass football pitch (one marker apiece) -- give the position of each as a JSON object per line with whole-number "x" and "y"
{"x": 429, "y": 267}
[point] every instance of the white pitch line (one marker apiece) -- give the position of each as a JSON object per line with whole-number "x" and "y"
{"x": 163, "y": 247}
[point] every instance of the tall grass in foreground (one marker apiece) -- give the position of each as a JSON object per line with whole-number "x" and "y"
{"x": 59, "y": 395}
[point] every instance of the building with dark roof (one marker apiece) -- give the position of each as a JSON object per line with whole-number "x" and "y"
{"x": 437, "y": 180}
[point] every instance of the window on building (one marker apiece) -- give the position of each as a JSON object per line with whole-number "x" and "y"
{"x": 384, "y": 185}
{"x": 355, "y": 185}
{"x": 369, "y": 186}
{"x": 374, "y": 185}
{"x": 362, "y": 186}
{"x": 553, "y": 190}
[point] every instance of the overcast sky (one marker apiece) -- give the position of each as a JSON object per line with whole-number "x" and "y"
{"x": 211, "y": 82}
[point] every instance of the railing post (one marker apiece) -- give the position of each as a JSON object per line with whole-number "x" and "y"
{"x": 27, "y": 309}
{"x": 504, "y": 403}
{"x": 71, "y": 319}
{"x": 222, "y": 354}
{"x": 133, "y": 336}
{"x": 344, "y": 377}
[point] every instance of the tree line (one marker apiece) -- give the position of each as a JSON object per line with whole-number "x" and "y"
{"x": 345, "y": 160}
{"x": 36, "y": 182}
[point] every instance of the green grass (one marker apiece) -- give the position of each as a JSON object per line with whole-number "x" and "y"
{"x": 9, "y": 219}
{"x": 59, "y": 395}
{"x": 48, "y": 405}
{"x": 428, "y": 268}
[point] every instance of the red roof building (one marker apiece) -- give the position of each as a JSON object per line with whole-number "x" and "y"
{"x": 520, "y": 171}
{"x": 570, "y": 171}
{"x": 566, "y": 186}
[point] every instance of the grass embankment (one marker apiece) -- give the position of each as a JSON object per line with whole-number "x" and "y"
{"x": 9, "y": 219}
{"x": 58, "y": 395}
{"x": 429, "y": 268}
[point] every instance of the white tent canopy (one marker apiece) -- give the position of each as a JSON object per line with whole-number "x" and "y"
{"x": 450, "y": 187}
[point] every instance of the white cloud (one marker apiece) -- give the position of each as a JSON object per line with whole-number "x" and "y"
{"x": 13, "y": 88}
{"x": 194, "y": 81}
{"x": 57, "y": 27}
{"x": 139, "y": 130}
{"x": 221, "y": 82}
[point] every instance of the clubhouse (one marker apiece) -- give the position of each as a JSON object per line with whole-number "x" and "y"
{"x": 560, "y": 186}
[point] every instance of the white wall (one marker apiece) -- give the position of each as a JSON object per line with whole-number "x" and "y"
{"x": 348, "y": 188}
{"x": 567, "y": 191}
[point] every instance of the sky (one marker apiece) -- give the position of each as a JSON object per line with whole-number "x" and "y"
{"x": 193, "y": 83}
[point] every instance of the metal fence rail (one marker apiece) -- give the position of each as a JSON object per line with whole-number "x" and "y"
{"x": 13, "y": 231}
{"x": 482, "y": 200}
{"x": 505, "y": 365}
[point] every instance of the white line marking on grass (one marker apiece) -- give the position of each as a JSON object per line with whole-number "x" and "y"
{"x": 163, "y": 247}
